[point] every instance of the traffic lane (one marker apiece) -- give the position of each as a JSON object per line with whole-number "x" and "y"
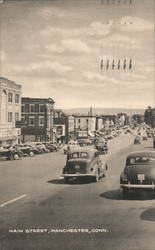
{"x": 87, "y": 206}
{"x": 29, "y": 175}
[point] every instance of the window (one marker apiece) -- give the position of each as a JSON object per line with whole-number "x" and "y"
{"x": 16, "y": 98}
{"x": 41, "y": 108}
{"x": 26, "y": 108}
{"x": 23, "y": 118}
{"x": 16, "y": 116}
{"x": 9, "y": 116}
{"x": 10, "y": 97}
{"x": 41, "y": 120}
{"x": 32, "y": 108}
{"x": 31, "y": 121}
{"x": 23, "y": 108}
{"x": 79, "y": 121}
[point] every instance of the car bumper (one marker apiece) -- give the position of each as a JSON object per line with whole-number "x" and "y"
{"x": 137, "y": 186}
{"x": 77, "y": 175}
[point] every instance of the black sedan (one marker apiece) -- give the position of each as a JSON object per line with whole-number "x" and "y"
{"x": 139, "y": 172}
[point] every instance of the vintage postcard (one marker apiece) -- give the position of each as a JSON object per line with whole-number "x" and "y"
{"x": 77, "y": 124}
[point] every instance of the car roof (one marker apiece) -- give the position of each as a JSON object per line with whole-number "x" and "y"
{"x": 142, "y": 154}
{"x": 83, "y": 149}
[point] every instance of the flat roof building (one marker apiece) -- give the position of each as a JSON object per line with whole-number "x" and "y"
{"x": 10, "y": 111}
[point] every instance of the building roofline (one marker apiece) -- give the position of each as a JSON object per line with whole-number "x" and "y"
{"x": 29, "y": 99}
{"x": 6, "y": 80}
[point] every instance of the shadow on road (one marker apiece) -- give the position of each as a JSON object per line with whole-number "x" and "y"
{"x": 81, "y": 181}
{"x": 56, "y": 181}
{"x": 149, "y": 147}
{"x": 148, "y": 214}
{"x": 133, "y": 195}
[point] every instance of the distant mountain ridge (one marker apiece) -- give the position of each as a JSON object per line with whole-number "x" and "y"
{"x": 104, "y": 111}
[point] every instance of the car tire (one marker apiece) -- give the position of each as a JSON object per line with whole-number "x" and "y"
{"x": 66, "y": 180}
{"x": 16, "y": 157}
{"x": 125, "y": 193}
{"x": 31, "y": 153}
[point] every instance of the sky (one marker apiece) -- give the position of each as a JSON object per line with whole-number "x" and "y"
{"x": 54, "y": 49}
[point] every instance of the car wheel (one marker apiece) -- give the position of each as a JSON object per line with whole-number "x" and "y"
{"x": 10, "y": 158}
{"x": 66, "y": 179}
{"x": 125, "y": 193}
{"x": 15, "y": 156}
{"x": 31, "y": 153}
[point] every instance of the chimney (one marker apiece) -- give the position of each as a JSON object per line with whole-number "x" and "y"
{"x": 91, "y": 111}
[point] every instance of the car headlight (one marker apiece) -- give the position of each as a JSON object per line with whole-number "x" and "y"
{"x": 152, "y": 172}
{"x": 124, "y": 178}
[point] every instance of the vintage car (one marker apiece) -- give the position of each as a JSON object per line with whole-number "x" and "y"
{"x": 50, "y": 146}
{"x": 84, "y": 162}
{"x": 70, "y": 146}
{"x": 10, "y": 153}
{"x": 139, "y": 172}
{"x": 38, "y": 147}
{"x": 101, "y": 146}
{"x": 137, "y": 140}
{"x": 26, "y": 149}
{"x": 84, "y": 142}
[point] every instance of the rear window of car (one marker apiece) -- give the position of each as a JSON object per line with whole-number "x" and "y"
{"x": 140, "y": 160}
{"x": 76, "y": 155}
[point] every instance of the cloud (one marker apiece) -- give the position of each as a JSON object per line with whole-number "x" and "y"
{"x": 138, "y": 24}
{"x": 75, "y": 45}
{"x": 98, "y": 28}
{"x": 2, "y": 55}
{"x": 93, "y": 29}
{"x": 54, "y": 48}
{"x": 93, "y": 76}
{"x": 63, "y": 32}
{"x": 44, "y": 68}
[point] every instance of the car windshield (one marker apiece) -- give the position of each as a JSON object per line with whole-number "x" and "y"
{"x": 141, "y": 160}
{"x": 76, "y": 155}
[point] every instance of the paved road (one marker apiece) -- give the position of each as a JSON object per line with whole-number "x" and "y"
{"x": 33, "y": 196}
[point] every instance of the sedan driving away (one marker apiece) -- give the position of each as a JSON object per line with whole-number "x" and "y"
{"x": 139, "y": 172}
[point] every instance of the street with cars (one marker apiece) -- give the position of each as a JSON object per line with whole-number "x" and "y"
{"x": 38, "y": 207}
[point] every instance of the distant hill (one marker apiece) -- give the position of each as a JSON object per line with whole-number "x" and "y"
{"x": 104, "y": 111}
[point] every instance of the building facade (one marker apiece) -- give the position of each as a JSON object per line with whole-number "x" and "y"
{"x": 85, "y": 123}
{"x": 37, "y": 116}
{"x": 10, "y": 111}
{"x": 61, "y": 126}
{"x": 103, "y": 121}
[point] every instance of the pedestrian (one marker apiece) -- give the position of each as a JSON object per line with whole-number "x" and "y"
{"x": 153, "y": 141}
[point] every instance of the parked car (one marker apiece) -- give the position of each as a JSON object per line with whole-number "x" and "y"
{"x": 84, "y": 142}
{"x": 51, "y": 146}
{"x": 139, "y": 172}
{"x": 27, "y": 150}
{"x": 84, "y": 162}
{"x": 10, "y": 153}
{"x": 38, "y": 147}
{"x": 54, "y": 145}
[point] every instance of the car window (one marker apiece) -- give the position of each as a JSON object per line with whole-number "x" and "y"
{"x": 83, "y": 155}
{"x": 144, "y": 160}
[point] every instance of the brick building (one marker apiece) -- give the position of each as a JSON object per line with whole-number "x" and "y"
{"x": 37, "y": 119}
